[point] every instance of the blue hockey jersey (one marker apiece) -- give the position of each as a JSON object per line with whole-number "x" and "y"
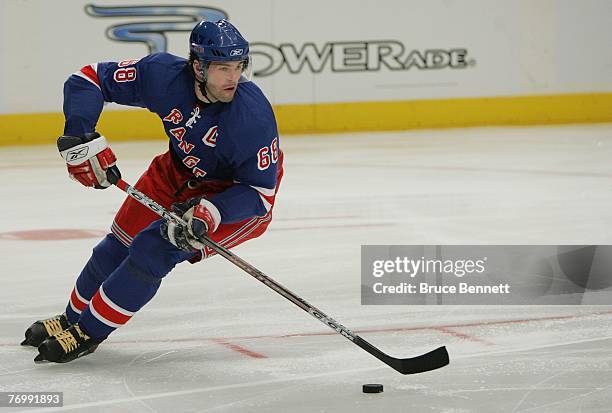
{"x": 222, "y": 141}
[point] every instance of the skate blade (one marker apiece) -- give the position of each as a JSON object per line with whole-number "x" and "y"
{"x": 28, "y": 343}
{"x": 40, "y": 359}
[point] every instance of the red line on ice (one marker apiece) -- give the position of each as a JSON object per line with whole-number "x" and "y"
{"x": 238, "y": 348}
{"x": 463, "y": 336}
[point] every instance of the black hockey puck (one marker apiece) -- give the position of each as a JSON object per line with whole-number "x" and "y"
{"x": 372, "y": 388}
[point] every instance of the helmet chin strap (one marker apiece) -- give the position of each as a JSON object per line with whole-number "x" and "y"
{"x": 202, "y": 84}
{"x": 202, "y": 87}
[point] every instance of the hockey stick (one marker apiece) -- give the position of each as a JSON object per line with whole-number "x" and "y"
{"x": 429, "y": 361}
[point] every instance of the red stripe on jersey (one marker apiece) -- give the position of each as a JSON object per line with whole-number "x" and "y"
{"x": 239, "y": 231}
{"x": 91, "y": 74}
{"x": 268, "y": 198}
{"x": 247, "y": 232}
{"x": 107, "y": 311}
{"x": 121, "y": 235}
{"x": 76, "y": 301}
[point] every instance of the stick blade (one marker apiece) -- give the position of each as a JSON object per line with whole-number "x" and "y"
{"x": 433, "y": 360}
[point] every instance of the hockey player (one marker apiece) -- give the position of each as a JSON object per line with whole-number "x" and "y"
{"x": 221, "y": 174}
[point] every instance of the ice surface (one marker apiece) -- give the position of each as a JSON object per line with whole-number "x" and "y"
{"x": 216, "y": 340}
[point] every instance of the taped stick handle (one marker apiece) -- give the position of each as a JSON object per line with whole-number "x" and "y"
{"x": 113, "y": 175}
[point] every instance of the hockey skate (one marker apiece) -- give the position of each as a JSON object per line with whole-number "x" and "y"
{"x": 66, "y": 346}
{"x": 43, "y": 329}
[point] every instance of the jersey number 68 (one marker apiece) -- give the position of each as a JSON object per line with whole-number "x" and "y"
{"x": 267, "y": 155}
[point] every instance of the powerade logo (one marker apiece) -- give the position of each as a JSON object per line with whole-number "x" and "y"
{"x": 345, "y": 56}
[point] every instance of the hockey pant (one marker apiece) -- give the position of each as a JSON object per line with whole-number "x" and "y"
{"x": 126, "y": 268}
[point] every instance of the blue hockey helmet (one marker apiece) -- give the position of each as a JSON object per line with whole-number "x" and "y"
{"x": 219, "y": 41}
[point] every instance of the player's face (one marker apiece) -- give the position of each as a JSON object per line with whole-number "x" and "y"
{"x": 223, "y": 80}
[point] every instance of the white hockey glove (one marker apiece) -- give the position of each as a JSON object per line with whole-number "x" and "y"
{"x": 202, "y": 217}
{"x": 88, "y": 158}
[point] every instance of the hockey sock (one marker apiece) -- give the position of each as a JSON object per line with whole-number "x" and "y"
{"x": 132, "y": 284}
{"x": 106, "y": 257}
